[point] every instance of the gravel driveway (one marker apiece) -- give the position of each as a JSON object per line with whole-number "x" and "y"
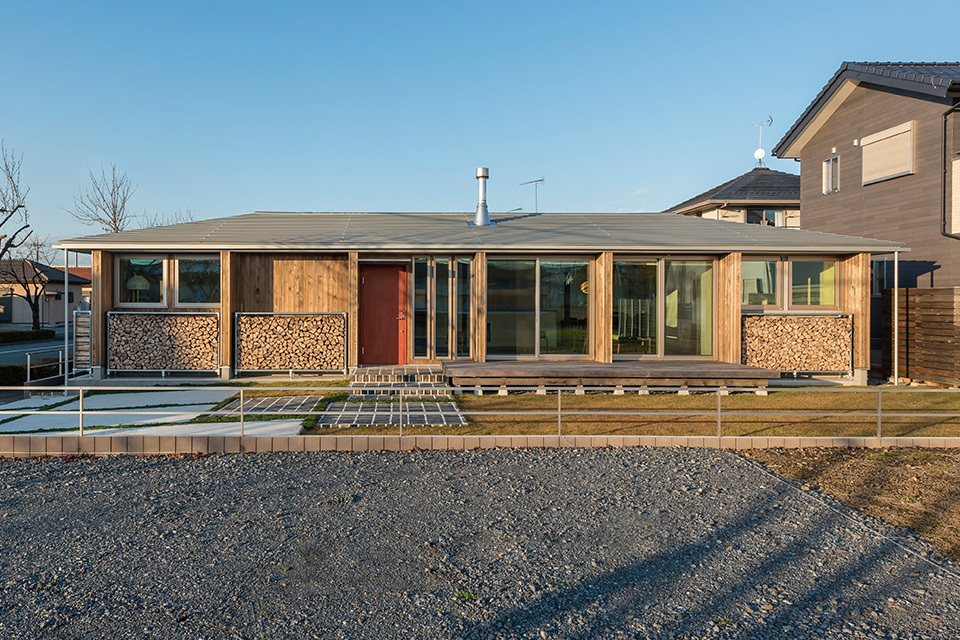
{"x": 625, "y": 543}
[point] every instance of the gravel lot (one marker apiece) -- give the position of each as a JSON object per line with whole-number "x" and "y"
{"x": 628, "y": 543}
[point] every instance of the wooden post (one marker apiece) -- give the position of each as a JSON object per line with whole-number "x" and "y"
{"x": 855, "y": 300}
{"x": 478, "y": 293}
{"x": 353, "y": 310}
{"x": 602, "y": 325}
{"x": 728, "y": 308}
{"x": 101, "y": 301}
{"x": 227, "y": 301}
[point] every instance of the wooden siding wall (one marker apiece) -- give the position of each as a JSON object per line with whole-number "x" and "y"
{"x": 292, "y": 283}
{"x": 855, "y": 300}
{"x": 101, "y": 300}
{"x": 478, "y": 293}
{"x": 904, "y": 209}
{"x": 728, "y": 308}
{"x": 603, "y": 308}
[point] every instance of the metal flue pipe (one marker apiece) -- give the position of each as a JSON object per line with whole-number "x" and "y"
{"x": 482, "y": 218}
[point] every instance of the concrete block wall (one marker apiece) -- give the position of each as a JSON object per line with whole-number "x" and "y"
{"x": 20, "y": 446}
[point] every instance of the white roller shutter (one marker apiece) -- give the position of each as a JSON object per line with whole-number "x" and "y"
{"x": 888, "y": 154}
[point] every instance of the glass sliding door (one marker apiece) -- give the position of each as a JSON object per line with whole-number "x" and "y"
{"x": 635, "y": 305}
{"x": 463, "y": 308}
{"x": 564, "y": 307}
{"x": 511, "y": 307}
{"x": 441, "y": 308}
{"x": 688, "y": 308}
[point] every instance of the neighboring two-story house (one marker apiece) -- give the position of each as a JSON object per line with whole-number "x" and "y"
{"x": 761, "y": 196}
{"x": 879, "y": 152}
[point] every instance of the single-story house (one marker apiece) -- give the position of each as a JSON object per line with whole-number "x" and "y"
{"x": 310, "y": 292}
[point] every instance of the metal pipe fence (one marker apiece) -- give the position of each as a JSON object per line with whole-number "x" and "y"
{"x": 870, "y": 410}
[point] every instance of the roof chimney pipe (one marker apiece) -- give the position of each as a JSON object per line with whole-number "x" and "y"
{"x": 483, "y": 215}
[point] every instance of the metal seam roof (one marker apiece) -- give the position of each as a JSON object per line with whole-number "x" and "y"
{"x": 412, "y": 232}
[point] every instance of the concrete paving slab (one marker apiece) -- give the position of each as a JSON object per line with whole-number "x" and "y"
{"x": 266, "y": 428}
{"x": 42, "y": 422}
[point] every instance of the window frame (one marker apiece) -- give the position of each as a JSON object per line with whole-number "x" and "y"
{"x": 779, "y": 304}
{"x": 661, "y": 260}
{"x": 590, "y": 259}
{"x": 175, "y": 267}
{"x": 165, "y": 282}
{"x": 788, "y": 304}
{"x": 829, "y": 184}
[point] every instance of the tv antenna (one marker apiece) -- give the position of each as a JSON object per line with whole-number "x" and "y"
{"x": 536, "y": 189}
{"x": 760, "y": 153}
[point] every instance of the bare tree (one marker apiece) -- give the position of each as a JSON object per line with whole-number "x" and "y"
{"x": 165, "y": 219}
{"x": 13, "y": 202}
{"x": 104, "y": 203}
{"x": 30, "y": 269}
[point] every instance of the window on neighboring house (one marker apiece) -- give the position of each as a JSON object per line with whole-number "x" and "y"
{"x": 878, "y": 276}
{"x": 831, "y": 175}
{"x": 141, "y": 281}
{"x": 197, "y": 281}
{"x": 813, "y": 283}
{"x": 889, "y": 153}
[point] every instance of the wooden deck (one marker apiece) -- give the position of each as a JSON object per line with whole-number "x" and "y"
{"x": 653, "y": 373}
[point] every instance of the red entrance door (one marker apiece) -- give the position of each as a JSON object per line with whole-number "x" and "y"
{"x": 383, "y": 307}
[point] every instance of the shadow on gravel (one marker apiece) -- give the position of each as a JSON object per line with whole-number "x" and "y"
{"x": 635, "y": 591}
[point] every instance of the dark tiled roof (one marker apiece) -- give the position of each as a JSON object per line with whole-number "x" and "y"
{"x": 933, "y": 78}
{"x": 13, "y": 270}
{"x": 758, "y": 185}
{"x": 85, "y": 273}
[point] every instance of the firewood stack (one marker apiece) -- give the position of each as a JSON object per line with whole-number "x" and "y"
{"x": 791, "y": 343}
{"x": 291, "y": 342}
{"x": 160, "y": 342}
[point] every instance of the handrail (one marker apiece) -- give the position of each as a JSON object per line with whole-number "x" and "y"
{"x": 403, "y": 413}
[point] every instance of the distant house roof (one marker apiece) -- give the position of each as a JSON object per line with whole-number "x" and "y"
{"x": 760, "y": 185}
{"x": 450, "y": 232}
{"x": 11, "y": 270}
{"x": 84, "y": 273}
{"x": 936, "y": 79}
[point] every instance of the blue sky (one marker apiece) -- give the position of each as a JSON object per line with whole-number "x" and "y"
{"x": 229, "y": 107}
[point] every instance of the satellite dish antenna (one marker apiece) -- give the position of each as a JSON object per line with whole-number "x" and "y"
{"x": 759, "y": 154}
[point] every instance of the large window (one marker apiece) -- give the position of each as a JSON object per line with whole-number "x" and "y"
{"x": 538, "y": 307}
{"x": 688, "y": 308}
{"x": 463, "y": 308}
{"x": 141, "y": 281}
{"x": 421, "y": 309}
{"x": 441, "y": 307}
{"x": 564, "y": 307}
{"x": 759, "y": 283}
{"x": 635, "y": 307}
{"x": 813, "y": 283}
{"x": 511, "y": 307}
{"x": 198, "y": 281}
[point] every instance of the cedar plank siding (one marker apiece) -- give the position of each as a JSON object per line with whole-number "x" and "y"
{"x": 292, "y": 283}
{"x": 904, "y": 209}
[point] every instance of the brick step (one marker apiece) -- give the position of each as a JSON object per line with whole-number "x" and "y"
{"x": 421, "y": 378}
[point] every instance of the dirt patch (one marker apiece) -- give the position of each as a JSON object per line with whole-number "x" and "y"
{"x": 918, "y": 489}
